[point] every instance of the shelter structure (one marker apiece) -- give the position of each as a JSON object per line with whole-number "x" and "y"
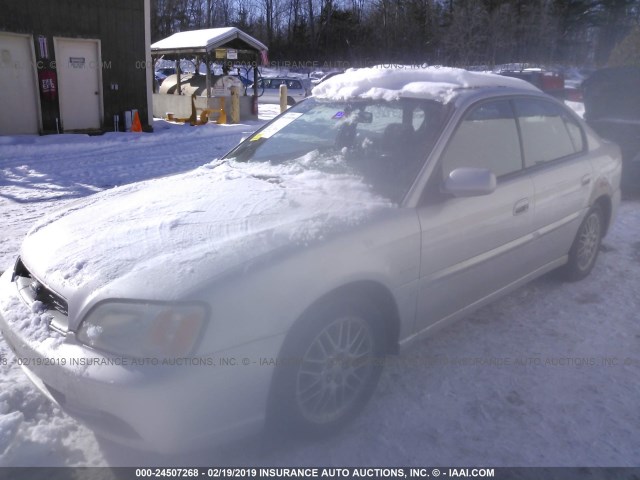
{"x": 228, "y": 47}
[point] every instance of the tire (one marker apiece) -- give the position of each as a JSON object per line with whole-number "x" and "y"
{"x": 334, "y": 360}
{"x": 585, "y": 247}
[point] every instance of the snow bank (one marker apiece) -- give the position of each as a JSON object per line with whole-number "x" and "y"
{"x": 438, "y": 83}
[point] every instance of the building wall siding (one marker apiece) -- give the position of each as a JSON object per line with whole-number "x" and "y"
{"x": 118, "y": 24}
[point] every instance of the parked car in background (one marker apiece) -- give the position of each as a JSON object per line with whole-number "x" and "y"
{"x": 314, "y": 77}
{"x": 267, "y": 287}
{"x": 269, "y": 89}
{"x": 612, "y": 108}
{"x": 329, "y": 75}
{"x": 548, "y": 81}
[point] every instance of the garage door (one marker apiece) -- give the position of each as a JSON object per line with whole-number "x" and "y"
{"x": 19, "y": 103}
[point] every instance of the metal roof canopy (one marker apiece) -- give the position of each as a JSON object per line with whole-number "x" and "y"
{"x": 206, "y": 41}
{"x": 203, "y": 43}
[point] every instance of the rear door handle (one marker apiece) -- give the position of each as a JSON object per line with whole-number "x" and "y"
{"x": 586, "y": 180}
{"x": 521, "y": 206}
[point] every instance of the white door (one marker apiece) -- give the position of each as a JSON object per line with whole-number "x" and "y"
{"x": 79, "y": 71}
{"x": 19, "y": 104}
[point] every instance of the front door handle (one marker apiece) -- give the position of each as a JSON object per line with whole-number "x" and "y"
{"x": 586, "y": 180}
{"x": 521, "y": 206}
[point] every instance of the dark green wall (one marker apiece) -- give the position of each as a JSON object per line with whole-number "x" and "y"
{"x": 118, "y": 24}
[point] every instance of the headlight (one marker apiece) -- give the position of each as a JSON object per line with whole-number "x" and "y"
{"x": 137, "y": 329}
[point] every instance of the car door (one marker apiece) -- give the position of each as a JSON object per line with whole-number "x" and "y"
{"x": 474, "y": 246}
{"x": 553, "y": 148}
{"x": 295, "y": 90}
{"x": 272, "y": 89}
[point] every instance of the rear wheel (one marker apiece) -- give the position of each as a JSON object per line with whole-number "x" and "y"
{"x": 585, "y": 247}
{"x": 335, "y": 358}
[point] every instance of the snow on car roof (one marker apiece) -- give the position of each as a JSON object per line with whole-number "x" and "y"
{"x": 386, "y": 83}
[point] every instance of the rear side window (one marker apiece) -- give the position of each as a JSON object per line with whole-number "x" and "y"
{"x": 548, "y": 132}
{"x": 273, "y": 82}
{"x": 486, "y": 138}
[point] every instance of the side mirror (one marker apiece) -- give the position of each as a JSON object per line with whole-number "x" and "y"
{"x": 470, "y": 182}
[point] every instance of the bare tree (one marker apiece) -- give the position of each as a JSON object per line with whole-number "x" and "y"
{"x": 450, "y": 31}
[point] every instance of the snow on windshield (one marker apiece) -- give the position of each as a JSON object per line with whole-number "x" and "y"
{"x": 384, "y": 142}
{"x": 436, "y": 83}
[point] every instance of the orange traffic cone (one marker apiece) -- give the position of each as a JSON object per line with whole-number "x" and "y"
{"x": 136, "y": 126}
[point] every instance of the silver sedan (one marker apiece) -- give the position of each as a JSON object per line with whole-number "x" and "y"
{"x": 268, "y": 286}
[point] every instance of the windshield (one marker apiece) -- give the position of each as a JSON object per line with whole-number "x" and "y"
{"x": 384, "y": 143}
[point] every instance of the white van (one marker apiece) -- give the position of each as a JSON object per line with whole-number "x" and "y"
{"x": 269, "y": 89}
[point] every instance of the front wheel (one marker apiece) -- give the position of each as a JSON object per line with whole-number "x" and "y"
{"x": 335, "y": 362}
{"x": 585, "y": 247}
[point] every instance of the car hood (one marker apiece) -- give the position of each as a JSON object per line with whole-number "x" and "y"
{"x": 165, "y": 235}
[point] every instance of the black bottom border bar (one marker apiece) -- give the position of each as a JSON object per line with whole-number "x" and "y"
{"x": 328, "y": 473}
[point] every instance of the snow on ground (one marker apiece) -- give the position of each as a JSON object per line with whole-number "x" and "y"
{"x": 43, "y": 173}
{"x": 549, "y": 375}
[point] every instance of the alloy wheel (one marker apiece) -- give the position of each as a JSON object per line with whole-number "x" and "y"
{"x": 588, "y": 241}
{"x": 335, "y": 369}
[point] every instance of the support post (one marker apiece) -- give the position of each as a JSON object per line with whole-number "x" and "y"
{"x": 283, "y": 97}
{"x": 235, "y": 105}
{"x": 208, "y": 82}
{"x": 255, "y": 81}
{"x": 178, "y": 73}
{"x": 254, "y": 106}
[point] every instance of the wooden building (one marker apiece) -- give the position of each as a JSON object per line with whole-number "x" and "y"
{"x": 73, "y": 65}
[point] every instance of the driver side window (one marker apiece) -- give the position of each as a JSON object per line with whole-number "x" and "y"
{"x": 487, "y": 137}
